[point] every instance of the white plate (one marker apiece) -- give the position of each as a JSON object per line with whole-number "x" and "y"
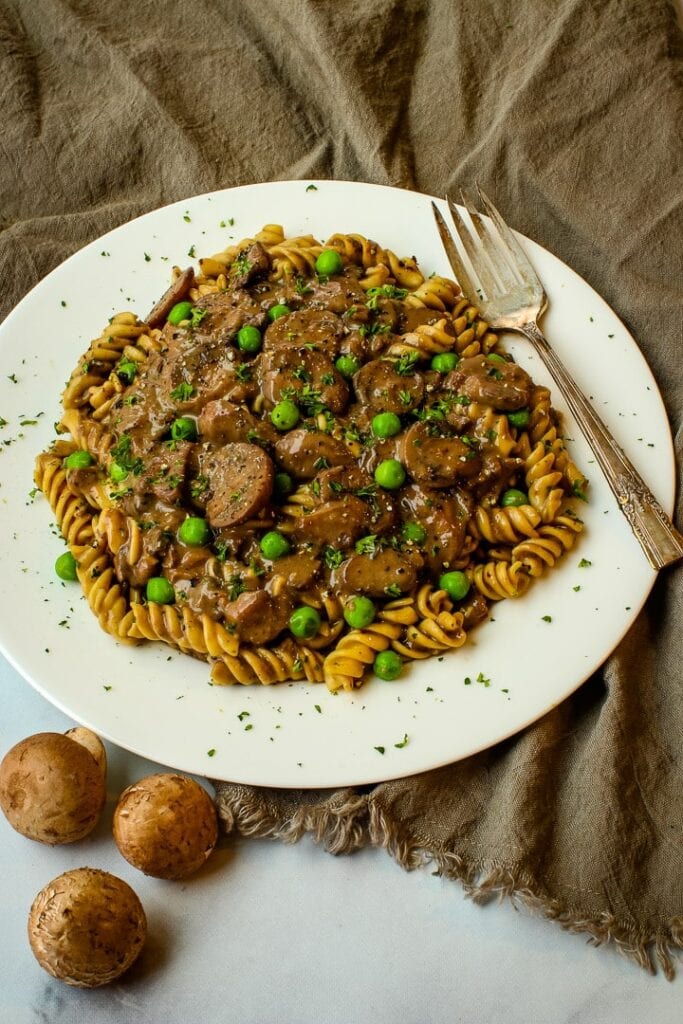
{"x": 158, "y": 703}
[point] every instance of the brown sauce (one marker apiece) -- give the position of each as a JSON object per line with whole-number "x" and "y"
{"x": 227, "y": 472}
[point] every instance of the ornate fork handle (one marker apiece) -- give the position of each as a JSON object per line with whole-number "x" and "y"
{"x": 659, "y": 538}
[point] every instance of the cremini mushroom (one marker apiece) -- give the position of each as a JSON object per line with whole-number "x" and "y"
{"x": 52, "y": 788}
{"x": 86, "y": 927}
{"x": 165, "y": 825}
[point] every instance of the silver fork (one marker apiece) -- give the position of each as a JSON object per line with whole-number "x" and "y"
{"x": 511, "y": 297}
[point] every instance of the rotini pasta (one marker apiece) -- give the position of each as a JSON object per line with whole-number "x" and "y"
{"x": 309, "y": 462}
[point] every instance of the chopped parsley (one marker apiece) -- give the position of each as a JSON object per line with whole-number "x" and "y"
{"x": 241, "y": 264}
{"x": 243, "y": 371}
{"x": 183, "y": 392}
{"x": 584, "y": 563}
{"x": 235, "y": 586}
{"x": 198, "y": 486}
{"x": 406, "y": 364}
{"x": 393, "y": 590}
{"x": 333, "y": 557}
{"x": 122, "y": 454}
{"x": 197, "y": 316}
{"x": 385, "y": 291}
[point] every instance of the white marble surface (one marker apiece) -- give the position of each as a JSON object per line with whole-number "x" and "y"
{"x": 271, "y": 933}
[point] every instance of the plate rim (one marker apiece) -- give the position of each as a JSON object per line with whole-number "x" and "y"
{"x": 320, "y": 183}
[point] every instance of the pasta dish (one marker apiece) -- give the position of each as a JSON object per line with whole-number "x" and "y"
{"x": 307, "y": 462}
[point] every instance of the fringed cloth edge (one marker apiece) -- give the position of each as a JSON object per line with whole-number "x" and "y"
{"x": 349, "y": 821}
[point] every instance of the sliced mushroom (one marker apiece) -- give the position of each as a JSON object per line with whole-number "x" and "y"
{"x": 239, "y": 483}
{"x": 303, "y": 453}
{"x": 434, "y": 459}
{"x": 378, "y": 575}
{"x": 174, "y": 294}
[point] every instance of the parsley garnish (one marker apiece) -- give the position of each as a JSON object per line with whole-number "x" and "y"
{"x": 242, "y": 264}
{"x": 183, "y": 392}
{"x": 385, "y": 291}
{"x": 236, "y": 585}
{"x": 197, "y": 316}
{"x": 393, "y": 590}
{"x": 380, "y": 750}
{"x": 198, "y": 486}
{"x": 301, "y": 287}
{"x": 406, "y": 364}
{"x": 584, "y": 563}
{"x": 121, "y": 453}
{"x": 403, "y": 743}
{"x": 333, "y": 557}
{"x": 367, "y": 545}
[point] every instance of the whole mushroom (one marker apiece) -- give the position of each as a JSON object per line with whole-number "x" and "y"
{"x": 86, "y": 927}
{"x": 165, "y": 825}
{"x": 52, "y": 788}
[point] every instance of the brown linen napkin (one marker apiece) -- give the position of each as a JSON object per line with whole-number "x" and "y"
{"x": 569, "y": 113}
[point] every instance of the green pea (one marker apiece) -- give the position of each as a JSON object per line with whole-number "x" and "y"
{"x": 160, "y": 591}
{"x": 274, "y": 545}
{"x": 456, "y": 584}
{"x": 66, "y": 566}
{"x": 519, "y": 418}
{"x": 184, "y": 429}
{"x": 414, "y": 532}
{"x": 513, "y": 498}
{"x": 304, "y": 622}
{"x": 385, "y": 424}
{"x": 390, "y": 474}
{"x": 283, "y": 485}
{"x": 387, "y": 665}
{"x": 329, "y": 262}
{"x": 117, "y": 472}
{"x": 78, "y": 460}
{"x": 493, "y": 357}
{"x": 181, "y": 311}
{"x": 445, "y": 362}
{"x": 359, "y": 611}
{"x": 126, "y": 370}
{"x": 278, "y": 310}
{"x": 285, "y": 415}
{"x": 249, "y": 338}
{"x": 194, "y": 532}
{"x": 347, "y": 365}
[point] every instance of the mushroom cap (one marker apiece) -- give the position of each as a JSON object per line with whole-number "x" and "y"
{"x": 86, "y": 927}
{"x": 92, "y": 742}
{"x": 51, "y": 788}
{"x": 165, "y": 825}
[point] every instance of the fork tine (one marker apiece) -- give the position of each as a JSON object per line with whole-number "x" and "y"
{"x": 468, "y": 243}
{"x": 481, "y": 263}
{"x": 503, "y": 277}
{"x": 524, "y": 267}
{"x": 461, "y": 275}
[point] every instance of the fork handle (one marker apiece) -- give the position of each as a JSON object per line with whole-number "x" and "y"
{"x": 658, "y": 537}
